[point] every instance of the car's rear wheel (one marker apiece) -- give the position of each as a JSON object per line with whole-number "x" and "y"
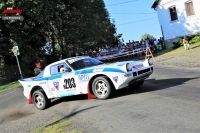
{"x": 40, "y": 100}
{"x": 102, "y": 88}
{"x": 137, "y": 85}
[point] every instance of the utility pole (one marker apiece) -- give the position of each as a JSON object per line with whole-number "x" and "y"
{"x": 15, "y": 50}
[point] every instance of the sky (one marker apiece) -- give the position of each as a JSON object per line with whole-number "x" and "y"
{"x": 134, "y": 18}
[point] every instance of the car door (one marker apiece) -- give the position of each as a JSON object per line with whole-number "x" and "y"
{"x": 61, "y": 82}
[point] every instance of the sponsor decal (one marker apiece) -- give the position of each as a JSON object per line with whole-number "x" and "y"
{"x": 75, "y": 59}
{"x": 56, "y": 85}
{"x": 83, "y": 77}
{"x": 71, "y": 89}
{"x": 66, "y": 94}
{"x": 52, "y": 89}
{"x": 42, "y": 83}
{"x": 138, "y": 66}
{"x": 115, "y": 79}
{"x": 28, "y": 86}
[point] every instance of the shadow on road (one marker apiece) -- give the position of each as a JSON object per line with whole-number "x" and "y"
{"x": 68, "y": 99}
{"x": 148, "y": 86}
{"x": 195, "y": 47}
{"x": 74, "y": 112}
{"x": 153, "y": 85}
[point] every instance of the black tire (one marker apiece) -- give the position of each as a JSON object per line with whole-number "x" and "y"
{"x": 106, "y": 87}
{"x": 137, "y": 85}
{"x": 40, "y": 100}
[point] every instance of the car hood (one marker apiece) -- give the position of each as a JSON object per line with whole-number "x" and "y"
{"x": 117, "y": 64}
{"x": 109, "y": 67}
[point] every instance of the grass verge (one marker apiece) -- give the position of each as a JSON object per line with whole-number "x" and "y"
{"x": 9, "y": 86}
{"x": 57, "y": 128}
{"x": 169, "y": 53}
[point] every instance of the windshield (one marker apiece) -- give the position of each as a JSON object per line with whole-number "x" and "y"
{"x": 84, "y": 63}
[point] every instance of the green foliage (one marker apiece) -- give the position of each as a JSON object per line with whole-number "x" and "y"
{"x": 145, "y": 36}
{"x": 195, "y": 39}
{"x": 191, "y": 38}
{"x": 9, "y": 86}
{"x": 176, "y": 44}
{"x": 53, "y": 27}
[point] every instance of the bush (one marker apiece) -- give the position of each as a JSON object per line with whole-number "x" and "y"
{"x": 191, "y": 38}
{"x": 176, "y": 44}
{"x": 195, "y": 39}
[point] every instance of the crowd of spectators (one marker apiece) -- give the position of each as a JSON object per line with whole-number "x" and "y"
{"x": 154, "y": 44}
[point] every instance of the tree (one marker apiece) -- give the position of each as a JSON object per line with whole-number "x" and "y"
{"x": 145, "y": 36}
{"x": 53, "y": 27}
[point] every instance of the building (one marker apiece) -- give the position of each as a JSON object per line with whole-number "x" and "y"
{"x": 177, "y": 18}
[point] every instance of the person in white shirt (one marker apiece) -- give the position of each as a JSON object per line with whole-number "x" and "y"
{"x": 155, "y": 42}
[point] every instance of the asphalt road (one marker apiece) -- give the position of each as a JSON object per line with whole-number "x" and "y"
{"x": 167, "y": 102}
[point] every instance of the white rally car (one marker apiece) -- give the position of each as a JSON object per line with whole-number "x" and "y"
{"x": 84, "y": 75}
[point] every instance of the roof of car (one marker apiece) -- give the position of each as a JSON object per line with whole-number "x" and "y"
{"x": 75, "y": 57}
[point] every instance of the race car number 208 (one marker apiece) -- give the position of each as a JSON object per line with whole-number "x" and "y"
{"x": 69, "y": 83}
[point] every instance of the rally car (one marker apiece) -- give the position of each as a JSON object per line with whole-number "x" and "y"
{"x": 84, "y": 75}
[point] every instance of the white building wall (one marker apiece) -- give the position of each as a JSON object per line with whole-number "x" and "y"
{"x": 185, "y": 25}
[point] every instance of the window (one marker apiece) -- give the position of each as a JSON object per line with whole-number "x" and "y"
{"x": 189, "y": 8}
{"x": 173, "y": 13}
{"x": 58, "y": 68}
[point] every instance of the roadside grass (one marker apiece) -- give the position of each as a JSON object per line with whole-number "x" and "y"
{"x": 57, "y": 128}
{"x": 9, "y": 86}
{"x": 171, "y": 53}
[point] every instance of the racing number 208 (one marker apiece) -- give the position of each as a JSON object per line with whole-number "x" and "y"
{"x": 69, "y": 83}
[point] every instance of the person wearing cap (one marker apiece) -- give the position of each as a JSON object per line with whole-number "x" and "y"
{"x": 186, "y": 44}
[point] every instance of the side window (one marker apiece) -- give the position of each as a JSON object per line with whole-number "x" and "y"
{"x": 54, "y": 69}
{"x": 189, "y": 8}
{"x": 58, "y": 68}
{"x": 173, "y": 13}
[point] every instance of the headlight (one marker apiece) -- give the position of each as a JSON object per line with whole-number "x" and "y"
{"x": 150, "y": 61}
{"x": 129, "y": 67}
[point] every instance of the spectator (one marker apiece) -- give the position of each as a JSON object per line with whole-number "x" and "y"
{"x": 147, "y": 42}
{"x": 94, "y": 53}
{"x": 90, "y": 53}
{"x": 155, "y": 41}
{"x": 38, "y": 67}
{"x": 60, "y": 57}
{"x": 186, "y": 44}
{"x": 131, "y": 46}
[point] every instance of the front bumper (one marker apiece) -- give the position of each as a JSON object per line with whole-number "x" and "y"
{"x": 134, "y": 77}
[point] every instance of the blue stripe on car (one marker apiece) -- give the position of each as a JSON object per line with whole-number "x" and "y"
{"x": 104, "y": 70}
{"x": 113, "y": 70}
{"x": 90, "y": 70}
{"x": 50, "y": 77}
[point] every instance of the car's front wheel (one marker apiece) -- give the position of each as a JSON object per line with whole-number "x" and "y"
{"x": 102, "y": 88}
{"x": 40, "y": 100}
